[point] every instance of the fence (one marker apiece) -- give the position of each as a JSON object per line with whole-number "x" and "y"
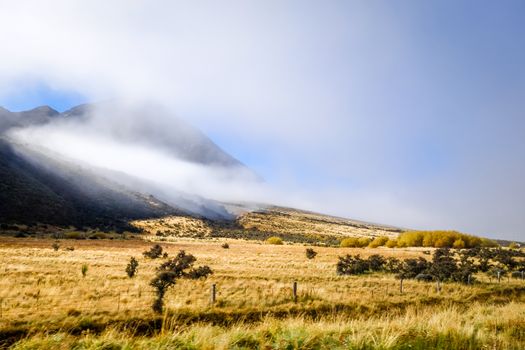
{"x": 126, "y": 301}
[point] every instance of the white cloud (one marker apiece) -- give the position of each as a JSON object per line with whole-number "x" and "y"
{"x": 367, "y": 99}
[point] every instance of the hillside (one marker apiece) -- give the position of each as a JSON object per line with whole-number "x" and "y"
{"x": 40, "y": 185}
{"x": 291, "y": 224}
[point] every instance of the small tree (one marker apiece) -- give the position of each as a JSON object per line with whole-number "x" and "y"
{"x": 310, "y": 253}
{"x": 274, "y": 240}
{"x": 154, "y": 253}
{"x": 376, "y": 262}
{"x": 169, "y": 272}
{"x": 351, "y": 265}
{"x": 225, "y": 246}
{"x": 84, "y": 270}
{"x": 55, "y": 246}
{"x": 131, "y": 269}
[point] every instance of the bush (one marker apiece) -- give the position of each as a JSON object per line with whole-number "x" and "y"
{"x": 351, "y": 265}
{"x": 391, "y": 243}
{"x": 169, "y": 272}
{"x": 84, "y": 270}
{"x": 98, "y": 235}
{"x": 378, "y": 242}
{"x": 74, "y": 235}
{"x": 363, "y": 242}
{"x": 310, "y": 253}
{"x": 514, "y": 245}
{"x": 458, "y": 244}
{"x": 225, "y": 246}
{"x": 55, "y": 246}
{"x": 131, "y": 268}
{"x": 154, "y": 253}
{"x": 350, "y": 242}
{"x": 441, "y": 239}
{"x": 376, "y": 262}
{"x": 410, "y": 268}
{"x": 274, "y": 240}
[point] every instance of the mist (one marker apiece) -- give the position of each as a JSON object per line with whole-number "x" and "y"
{"x": 409, "y": 114}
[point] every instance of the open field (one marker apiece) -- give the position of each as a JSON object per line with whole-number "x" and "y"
{"x": 46, "y": 301}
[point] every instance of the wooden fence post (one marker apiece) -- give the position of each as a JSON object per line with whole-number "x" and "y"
{"x": 213, "y": 295}
{"x": 438, "y": 286}
{"x": 499, "y": 276}
{"x": 401, "y": 285}
{"x": 294, "y": 291}
{"x": 468, "y": 278}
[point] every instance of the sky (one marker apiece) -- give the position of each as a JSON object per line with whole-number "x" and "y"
{"x": 409, "y": 113}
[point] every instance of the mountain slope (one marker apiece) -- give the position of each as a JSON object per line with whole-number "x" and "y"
{"x": 31, "y": 192}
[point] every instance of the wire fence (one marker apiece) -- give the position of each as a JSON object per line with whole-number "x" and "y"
{"x": 31, "y": 304}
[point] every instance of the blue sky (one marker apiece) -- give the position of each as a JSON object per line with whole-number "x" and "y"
{"x": 409, "y": 112}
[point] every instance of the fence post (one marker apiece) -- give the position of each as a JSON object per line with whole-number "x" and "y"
{"x": 401, "y": 285}
{"x": 294, "y": 291}
{"x": 468, "y": 278}
{"x": 438, "y": 286}
{"x": 499, "y": 276}
{"x": 213, "y": 293}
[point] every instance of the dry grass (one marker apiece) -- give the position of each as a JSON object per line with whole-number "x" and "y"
{"x": 42, "y": 290}
{"x": 290, "y": 224}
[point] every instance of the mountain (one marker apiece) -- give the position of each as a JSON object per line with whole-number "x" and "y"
{"x": 41, "y": 186}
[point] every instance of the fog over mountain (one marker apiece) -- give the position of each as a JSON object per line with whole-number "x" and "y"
{"x": 114, "y": 158}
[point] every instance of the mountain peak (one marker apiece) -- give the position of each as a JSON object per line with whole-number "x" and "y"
{"x": 45, "y": 109}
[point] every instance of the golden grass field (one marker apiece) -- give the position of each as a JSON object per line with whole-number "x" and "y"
{"x": 47, "y": 303}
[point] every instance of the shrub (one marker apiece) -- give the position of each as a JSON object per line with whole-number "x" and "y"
{"x": 74, "y": 235}
{"x": 274, "y": 240}
{"x": 391, "y": 243}
{"x": 350, "y": 242}
{"x": 392, "y": 265}
{"x": 376, "y": 262}
{"x": 225, "y": 246}
{"x": 84, "y": 270}
{"x": 131, "y": 268}
{"x": 70, "y": 249}
{"x": 443, "y": 264}
{"x": 55, "y": 246}
{"x": 410, "y": 268}
{"x": 459, "y": 244}
{"x": 310, "y": 253}
{"x": 169, "y": 272}
{"x": 378, "y": 242}
{"x": 514, "y": 245}
{"x": 363, "y": 242}
{"x": 440, "y": 239}
{"x": 154, "y": 253}
{"x": 99, "y": 235}
{"x": 351, "y": 265}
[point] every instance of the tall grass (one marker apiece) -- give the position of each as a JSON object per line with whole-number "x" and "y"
{"x": 482, "y": 326}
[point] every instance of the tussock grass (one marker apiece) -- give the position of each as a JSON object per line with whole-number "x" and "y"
{"x": 48, "y": 304}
